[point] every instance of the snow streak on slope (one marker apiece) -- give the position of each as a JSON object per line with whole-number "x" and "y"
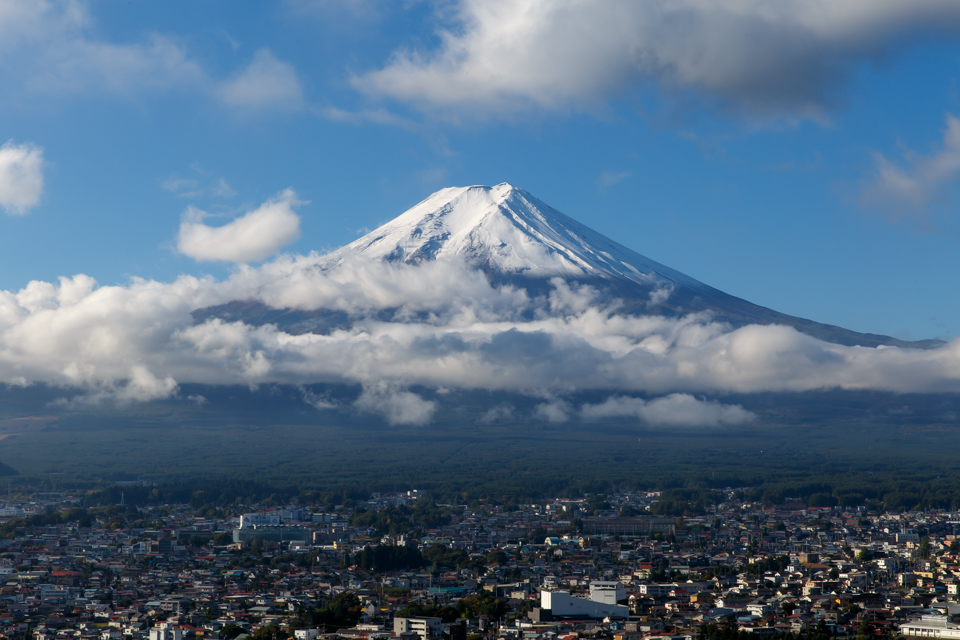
{"x": 506, "y": 230}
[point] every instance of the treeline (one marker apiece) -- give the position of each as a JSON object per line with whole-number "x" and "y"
{"x": 887, "y": 493}
{"x": 775, "y": 564}
{"x": 384, "y": 557}
{"x": 685, "y": 490}
{"x": 441, "y": 556}
{"x": 877, "y": 490}
{"x": 689, "y": 501}
{"x": 76, "y": 515}
{"x": 482, "y": 603}
{"x": 205, "y": 493}
{"x": 424, "y": 514}
{"x": 728, "y": 630}
{"x": 226, "y": 491}
{"x": 221, "y": 492}
{"x": 112, "y": 517}
{"x": 342, "y": 611}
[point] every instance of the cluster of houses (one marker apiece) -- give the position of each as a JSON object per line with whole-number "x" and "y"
{"x": 559, "y": 569}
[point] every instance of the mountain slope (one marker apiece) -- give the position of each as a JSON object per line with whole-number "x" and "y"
{"x": 515, "y": 238}
{"x": 505, "y": 230}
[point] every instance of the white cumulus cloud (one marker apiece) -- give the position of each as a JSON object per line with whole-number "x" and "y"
{"x": 399, "y": 407}
{"x": 140, "y": 385}
{"x": 791, "y": 57}
{"x": 21, "y": 177}
{"x": 676, "y": 409}
{"x": 553, "y": 411}
{"x": 252, "y": 237}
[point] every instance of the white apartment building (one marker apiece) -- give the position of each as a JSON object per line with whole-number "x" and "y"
{"x": 426, "y": 628}
{"x": 166, "y": 632}
{"x": 608, "y": 592}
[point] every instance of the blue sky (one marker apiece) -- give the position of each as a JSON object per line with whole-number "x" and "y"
{"x": 803, "y": 161}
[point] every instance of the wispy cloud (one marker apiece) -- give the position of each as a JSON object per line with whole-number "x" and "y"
{"x": 364, "y": 116}
{"x": 193, "y": 188}
{"x": 609, "y": 178}
{"x": 53, "y": 49}
{"x": 21, "y": 177}
{"x": 500, "y": 413}
{"x": 908, "y": 189}
{"x": 362, "y": 10}
{"x": 267, "y": 83}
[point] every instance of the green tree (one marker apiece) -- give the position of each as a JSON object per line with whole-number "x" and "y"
{"x": 231, "y": 631}
{"x": 483, "y": 603}
{"x": 270, "y": 632}
{"x": 343, "y": 610}
{"x": 383, "y": 558}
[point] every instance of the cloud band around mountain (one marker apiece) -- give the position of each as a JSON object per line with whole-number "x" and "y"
{"x": 439, "y": 325}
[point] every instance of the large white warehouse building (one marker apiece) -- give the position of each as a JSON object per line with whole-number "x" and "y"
{"x": 601, "y": 604}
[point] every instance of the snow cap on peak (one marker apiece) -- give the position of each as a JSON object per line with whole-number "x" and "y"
{"x": 449, "y": 194}
{"x": 505, "y": 229}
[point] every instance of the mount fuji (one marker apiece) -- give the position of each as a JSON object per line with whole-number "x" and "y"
{"x": 518, "y": 240}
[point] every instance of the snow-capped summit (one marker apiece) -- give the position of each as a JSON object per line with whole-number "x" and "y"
{"x": 506, "y": 230}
